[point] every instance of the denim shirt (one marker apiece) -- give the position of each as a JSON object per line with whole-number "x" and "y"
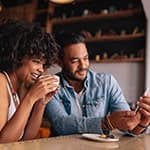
{"x": 102, "y": 95}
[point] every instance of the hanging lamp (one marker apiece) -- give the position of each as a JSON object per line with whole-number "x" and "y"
{"x": 61, "y": 1}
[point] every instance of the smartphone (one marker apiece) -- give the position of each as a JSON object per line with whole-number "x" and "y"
{"x": 145, "y": 94}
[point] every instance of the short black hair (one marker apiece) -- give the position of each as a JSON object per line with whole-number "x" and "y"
{"x": 66, "y": 38}
{"x": 19, "y": 39}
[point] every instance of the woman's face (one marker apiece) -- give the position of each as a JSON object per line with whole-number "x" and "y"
{"x": 30, "y": 70}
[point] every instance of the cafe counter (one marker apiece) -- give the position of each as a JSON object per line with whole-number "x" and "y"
{"x": 77, "y": 142}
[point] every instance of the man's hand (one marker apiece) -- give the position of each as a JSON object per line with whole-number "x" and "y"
{"x": 125, "y": 120}
{"x": 144, "y": 109}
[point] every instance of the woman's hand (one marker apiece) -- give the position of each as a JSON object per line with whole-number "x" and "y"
{"x": 48, "y": 97}
{"x": 44, "y": 88}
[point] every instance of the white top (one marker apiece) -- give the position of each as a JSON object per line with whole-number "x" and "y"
{"x": 12, "y": 99}
{"x": 78, "y": 100}
{"x": 12, "y": 107}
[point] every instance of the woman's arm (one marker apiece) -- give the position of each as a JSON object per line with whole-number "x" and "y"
{"x": 34, "y": 122}
{"x": 10, "y": 131}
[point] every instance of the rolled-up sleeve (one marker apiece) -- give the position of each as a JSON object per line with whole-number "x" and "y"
{"x": 65, "y": 124}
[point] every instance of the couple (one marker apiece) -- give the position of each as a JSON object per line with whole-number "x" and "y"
{"x": 84, "y": 102}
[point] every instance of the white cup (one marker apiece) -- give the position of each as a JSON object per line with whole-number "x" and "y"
{"x": 43, "y": 76}
{"x": 58, "y": 80}
{"x": 54, "y": 83}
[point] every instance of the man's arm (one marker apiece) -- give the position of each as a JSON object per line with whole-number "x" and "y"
{"x": 70, "y": 124}
{"x": 144, "y": 110}
{"x": 64, "y": 123}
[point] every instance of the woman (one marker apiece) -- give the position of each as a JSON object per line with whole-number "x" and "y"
{"x": 25, "y": 54}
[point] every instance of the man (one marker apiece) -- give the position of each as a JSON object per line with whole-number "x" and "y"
{"x": 90, "y": 102}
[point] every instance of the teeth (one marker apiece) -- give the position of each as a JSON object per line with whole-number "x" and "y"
{"x": 35, "y": 75}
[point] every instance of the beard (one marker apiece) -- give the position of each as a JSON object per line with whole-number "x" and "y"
{"x": 72, "y": 75}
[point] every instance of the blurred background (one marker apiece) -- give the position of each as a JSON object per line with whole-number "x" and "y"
{"x": 117, "y": 34}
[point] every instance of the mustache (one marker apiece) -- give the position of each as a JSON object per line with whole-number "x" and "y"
{"x": 82, "y": 69}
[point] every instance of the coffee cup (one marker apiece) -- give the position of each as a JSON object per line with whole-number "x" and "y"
{"x": 58, "y": 80}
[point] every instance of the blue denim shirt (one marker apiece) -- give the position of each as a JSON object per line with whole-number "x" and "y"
{"x": 102, "y": 95}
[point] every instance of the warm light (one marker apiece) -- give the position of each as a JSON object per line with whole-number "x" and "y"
{"x": 61, "y": 1}
{"x": 1, "y": 7}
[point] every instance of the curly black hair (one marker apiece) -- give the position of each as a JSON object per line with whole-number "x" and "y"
{"x": 19, "y": 39}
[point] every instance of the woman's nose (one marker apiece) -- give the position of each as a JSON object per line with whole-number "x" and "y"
{"x": 41, "y": 68}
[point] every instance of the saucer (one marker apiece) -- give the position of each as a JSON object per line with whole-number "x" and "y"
{"x": 98, "y": 137}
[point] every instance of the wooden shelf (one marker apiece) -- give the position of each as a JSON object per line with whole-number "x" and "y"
{"x": 116, "y": 37}
{"x": 121, "y": 20}
{"x": 117, "y": 14}
{"x": 40, "y": 11}
{"x": 117, "y": 60}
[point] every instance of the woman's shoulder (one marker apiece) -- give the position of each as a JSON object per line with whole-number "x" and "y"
{"x": 3, "y": 91}
{"x": 2, "y": 76}
{"x": 3, "y": 80}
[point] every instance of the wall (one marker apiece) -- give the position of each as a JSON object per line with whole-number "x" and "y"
{"x": 146, "y": 5}
{"x": 129, "y": 75}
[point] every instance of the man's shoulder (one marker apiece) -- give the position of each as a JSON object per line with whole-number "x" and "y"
{"x": 97, "y": 79}
{"x": 99, "y": 75}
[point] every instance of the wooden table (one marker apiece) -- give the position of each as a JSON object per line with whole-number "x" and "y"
{"x": 76, "y": 142}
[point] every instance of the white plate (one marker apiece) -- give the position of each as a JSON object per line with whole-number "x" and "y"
{"x": 97, "y": 137}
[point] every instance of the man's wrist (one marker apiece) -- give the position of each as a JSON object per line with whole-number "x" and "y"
{"x": 143, "y": 126}
{"x": 109, "y": 124}
{"x": 139, "y": 129}
{"x": 104, "y": 127}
